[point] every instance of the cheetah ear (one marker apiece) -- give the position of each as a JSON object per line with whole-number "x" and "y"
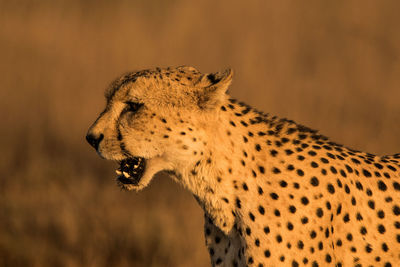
{"x": 213, "y": 88}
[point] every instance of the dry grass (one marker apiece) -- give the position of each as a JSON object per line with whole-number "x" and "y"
{"x": 333, "y": 66}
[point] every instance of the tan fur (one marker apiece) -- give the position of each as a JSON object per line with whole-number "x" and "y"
{"x": 274, "y": 192}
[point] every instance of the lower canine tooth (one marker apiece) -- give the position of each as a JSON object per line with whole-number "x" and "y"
{"x": 126, "y": 174}
{"x": 118, "y": 172}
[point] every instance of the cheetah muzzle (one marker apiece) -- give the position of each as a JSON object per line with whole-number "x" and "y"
{"x": 131, "y": 170}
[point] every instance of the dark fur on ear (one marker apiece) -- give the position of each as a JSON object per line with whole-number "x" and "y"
{"x": 213, "y": 87}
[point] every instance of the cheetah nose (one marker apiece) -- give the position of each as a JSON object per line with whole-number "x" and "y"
{"x": 94, "y": 140}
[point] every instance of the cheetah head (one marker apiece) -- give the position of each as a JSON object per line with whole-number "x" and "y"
{"x": 156, "y": 120}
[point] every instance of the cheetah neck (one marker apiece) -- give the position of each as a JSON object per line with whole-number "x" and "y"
{"x": 236, "y": 158}
{"x": 230, "y": 158}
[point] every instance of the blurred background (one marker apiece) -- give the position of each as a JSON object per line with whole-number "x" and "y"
{"x": 331, "y": 65}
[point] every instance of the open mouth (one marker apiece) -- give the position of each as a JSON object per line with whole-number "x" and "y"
{"x": 131, "y": 170}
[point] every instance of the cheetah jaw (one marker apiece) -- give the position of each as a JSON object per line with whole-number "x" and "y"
{"x": 143, "y": 172}
{"x": 131, "y": 170}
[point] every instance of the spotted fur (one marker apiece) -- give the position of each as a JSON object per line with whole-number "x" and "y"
{"x": 273, "y": 192}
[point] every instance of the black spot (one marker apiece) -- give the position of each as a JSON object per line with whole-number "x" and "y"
{"x": 292, "y": 209}
{"x": 300, "y": 157}
{"x": 324, "y": 160}
{"x": 331, "y": 155}
{"x": 260, "y": 190}
{"x": 304, "y": 220}
{"x": 320, "y": 212}
{"x": 347, "y": 189}
{"x": 245, "y": 188}
{"x": 258, "y": 147}
{"x": 371, "y": 204}
{"x": 328, "y": 258}
{"x": 331, "y": 188}
{"x": 328, "y": 205}
{"x": 242, "y": 122}
{"x": 382, "y": 186}
{"x": 366, "y": 173}
{"x": 261, "y": 210}
{"x": 390, "y": 167}
{"x": 349, "y": 237}
{"x": 396, "y": 186}
{"x": 252, "y": 217}
{"x": 288, "y": 152}
{"x": 261, "y": 169}
{"x": 359, "y": 186}
{"x": 276, "y": 170}
{"x": 314, "y": 164}
{"x": 267, "y": 253}
{"x": 313, "y": 234}
{"x": 238, "y": 203}
{"x": 266, "y": 230}
{"x": 381, "y": 229}
{"x": 283, "y": 183}
{"x": 396, "y": 210}
{"x": 363, "y": 230}
{"x": 333, "y": 170}
{"x": 349, "y": 169}
{"x": 379, "y": 166}
{"x": 314, "y": 181}
{"x": 381, "y": 214}
{"x": 277, "y": 213}
{"x": 304, "y": 200}
{"x": 274, "y": 196}
{"x": 273, "y": 153}
{"x": 248, "y": 231}
{"x": 312, "y": 153}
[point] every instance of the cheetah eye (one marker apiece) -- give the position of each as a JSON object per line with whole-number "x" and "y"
{"x": 133, "y": 106}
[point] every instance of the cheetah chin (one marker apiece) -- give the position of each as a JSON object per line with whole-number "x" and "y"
{"x": 131, "y": 171}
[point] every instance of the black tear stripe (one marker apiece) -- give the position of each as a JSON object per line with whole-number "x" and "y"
{"x": 122, "y": 144}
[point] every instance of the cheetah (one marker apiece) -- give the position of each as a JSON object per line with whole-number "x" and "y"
{"x": 274, "y": 192}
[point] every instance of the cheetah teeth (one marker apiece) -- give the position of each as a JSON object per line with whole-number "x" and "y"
{"x": 118, "y": 172}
